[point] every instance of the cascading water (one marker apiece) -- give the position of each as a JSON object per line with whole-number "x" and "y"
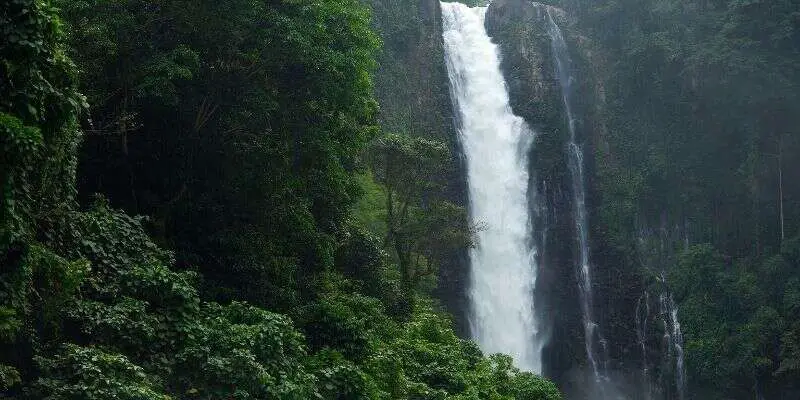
{"x": 496, "y": 144}
{"x": 658, "y": 250}
{"x": 677, "y": 335}
{"x": 642, "y": 313}
{"x": 593, "y": 335}
{"x": 674, "y": 337}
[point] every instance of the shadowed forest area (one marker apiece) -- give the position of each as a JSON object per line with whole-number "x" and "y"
{"x": 696, "y": 177}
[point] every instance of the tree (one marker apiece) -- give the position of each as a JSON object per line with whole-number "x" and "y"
{"x": 235, "y": 124}
{"x": 423, "y": 228}
{"x": 39, "y": 105}
{"x": 268, "y": 116}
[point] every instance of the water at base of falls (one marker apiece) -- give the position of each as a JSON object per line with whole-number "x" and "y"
{"x": 495, "y": 144}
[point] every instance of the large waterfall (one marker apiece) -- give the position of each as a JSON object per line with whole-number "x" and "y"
{"x": 593, "y": 336}
{"x": 496, "y": 144}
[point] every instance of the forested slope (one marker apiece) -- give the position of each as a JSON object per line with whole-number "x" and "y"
{"x": 282, "y": 251}
{"x": 692, "y": 113}
{"x": 237, "y": 199}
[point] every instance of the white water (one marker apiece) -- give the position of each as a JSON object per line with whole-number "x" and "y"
{"x": 592, "y": 334}
{"x": 642, "y": 314}
{"x": 674, "y": 338}
{"x": 495, "y": 143}
{"x": 659, "y": 249}
{"x": 677, "y": 336}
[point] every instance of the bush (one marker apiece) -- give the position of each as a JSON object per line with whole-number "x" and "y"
{"x": 89, "y": 373}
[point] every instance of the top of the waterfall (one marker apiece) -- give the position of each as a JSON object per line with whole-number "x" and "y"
{"x": 559, "y": 14}
{"x": 532, "y": 9}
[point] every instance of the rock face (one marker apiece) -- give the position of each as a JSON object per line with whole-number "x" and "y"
{"x": 411, "y": 81}
{"x": 413, "y": 89}
{"x": 638, "y": 360}
{"x": 520, "y": 28}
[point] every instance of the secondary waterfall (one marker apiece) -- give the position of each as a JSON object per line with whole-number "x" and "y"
{"x": 674, "y": 338}
{"x": 593, "y": 335}
{"x": 641, "y": 316}
{"x": 659, "y": 249}
{"x": 495, "y": 144}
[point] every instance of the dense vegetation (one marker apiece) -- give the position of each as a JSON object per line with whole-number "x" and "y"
{"x": 287, "y": 243}
{"x": 696, "y": 143}
{"x": 236, "y": 199}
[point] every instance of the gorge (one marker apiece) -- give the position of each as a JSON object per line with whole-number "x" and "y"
{"x": 505, "y": 262}
{"x": 631, "y": 344}
{"x": 399, "y": 199}
{"x": 625, "y": 100}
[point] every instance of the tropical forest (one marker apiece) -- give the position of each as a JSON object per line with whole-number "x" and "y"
{"x": 399, "y": 199}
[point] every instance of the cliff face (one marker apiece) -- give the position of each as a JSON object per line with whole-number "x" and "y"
{"x": 411, "y": 81}
{"x": 520, "y": 29}
{"x": 637, "y": 358}
{"x": 412, "y": 87}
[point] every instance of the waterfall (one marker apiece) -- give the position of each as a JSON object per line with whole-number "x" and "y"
{"x": 658, "y": 251}
{"x": 592, "y": 334}
{"x": 674, "y": 337}
{"x": 642, "y": 313}
{"x": 496, "y": 144}
{"x": 677, "y": 337}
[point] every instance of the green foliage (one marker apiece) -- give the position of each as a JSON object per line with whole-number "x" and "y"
{"x": 408, "y": 164}
{"x": 339, "y": 378}
{"x": 361, "y": 259}
{"x": 424, "y": 229}
{"x": 148, "y": 321}
{"x": 9, "y": 377}
{"x": 431, "y": 357}
{"x": 425, "y": 360}
{"x": 370, "y": 210}
{"x": 346, "y": 323}
{"x": 411, "y": 81}
{"x": 507, "y": 382}
{"x": 237, "y": 126}
{"x": 790, "y": 353}
{"x": 154, "y": 317}
{"x": 110, "y": 239}
{"x": 737, "y": 317}
{"x": 38, "y": 78}
{"x": 93, "y": 374}
{"x": 151, "y": 337}
{"x": 49, "y": 273}
{"x": 20, "y": 146}
{"x": 692, "y": 95}
{"x": 38, "y": 105}
{"x": 35, "y": 285}
{"x": 243, "y": 352}
{"x": 419, "y": 357}
{"x": 147, "y": 317}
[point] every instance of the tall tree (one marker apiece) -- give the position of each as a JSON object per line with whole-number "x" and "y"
{"x": 423, "y": 227}
{"x": 236, "y": 124}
